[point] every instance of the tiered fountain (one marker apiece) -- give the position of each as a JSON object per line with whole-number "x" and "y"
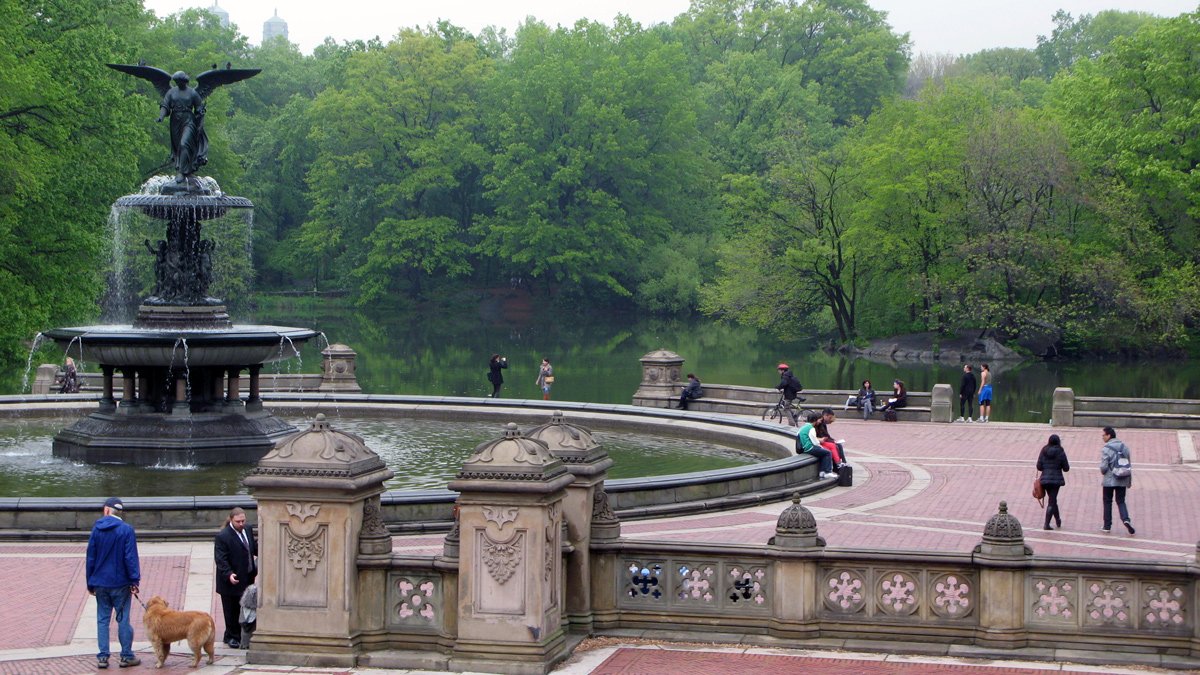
{"x": 181, "y": 361}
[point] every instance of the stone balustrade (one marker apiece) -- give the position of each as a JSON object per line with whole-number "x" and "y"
{"x": 1129, "y": 413}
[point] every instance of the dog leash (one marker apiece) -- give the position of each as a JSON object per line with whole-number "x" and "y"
{"x": 135, "y": 595}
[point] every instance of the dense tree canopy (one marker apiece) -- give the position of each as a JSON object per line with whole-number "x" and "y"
{"x": 783, "y": 163}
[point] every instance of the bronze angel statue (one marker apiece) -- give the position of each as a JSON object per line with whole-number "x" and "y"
{"x": 185, "y": 106}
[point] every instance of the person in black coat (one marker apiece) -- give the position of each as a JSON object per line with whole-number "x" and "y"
{"x": 235, "y": 552}
{"x": 494, "y": 365}
{"x": 1052, "y": 462}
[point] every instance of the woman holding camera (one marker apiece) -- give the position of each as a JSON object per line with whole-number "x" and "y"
{"x": 498, "y": 362}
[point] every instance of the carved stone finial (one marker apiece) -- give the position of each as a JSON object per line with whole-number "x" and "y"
{"x": 1003, "y": 536}
{"x": 1003, "y": 527}
{"x": 571, "y": 443}
{"x": 796, "y": 527}
{"x": 321, "y": 451}
{"x": 512, "y": 456}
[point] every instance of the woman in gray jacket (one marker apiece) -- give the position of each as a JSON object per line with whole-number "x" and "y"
{"x": 1114, "y": 485}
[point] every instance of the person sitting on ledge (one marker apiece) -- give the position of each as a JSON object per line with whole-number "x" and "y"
{"x": 691, "y": 391}
{"x": 808, "y": 442}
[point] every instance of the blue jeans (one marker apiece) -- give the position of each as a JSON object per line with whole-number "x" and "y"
{"x": 823, "y": 456}
{"x": 1119, "y": 493}
{"x": 109, "y": 600}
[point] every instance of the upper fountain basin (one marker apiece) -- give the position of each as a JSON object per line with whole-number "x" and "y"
{"x": 125, "y": 345}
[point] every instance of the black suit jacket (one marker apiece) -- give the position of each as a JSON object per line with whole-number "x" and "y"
{"x": 231, "y": 557}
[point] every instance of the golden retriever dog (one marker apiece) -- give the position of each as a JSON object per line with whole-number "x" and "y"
{"x": 165, "y": 625}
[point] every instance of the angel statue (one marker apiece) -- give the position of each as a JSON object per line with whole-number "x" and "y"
{"x": 185, "y": 106}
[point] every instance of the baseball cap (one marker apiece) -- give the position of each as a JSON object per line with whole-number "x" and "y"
{"x": 114, "y": 503}
{"x": 782, "y": 366}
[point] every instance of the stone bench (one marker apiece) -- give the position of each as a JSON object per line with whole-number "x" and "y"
{"x": 743, "y": 400}
{"x": 1120, "y": 412}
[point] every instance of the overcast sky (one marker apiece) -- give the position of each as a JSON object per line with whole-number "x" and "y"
{"x": 957, "y": 27}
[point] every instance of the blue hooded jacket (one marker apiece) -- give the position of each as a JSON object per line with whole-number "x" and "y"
{"x": 112, "y": 557}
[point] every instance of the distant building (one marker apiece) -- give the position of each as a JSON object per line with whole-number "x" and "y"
{"x": 220, "y": 13}
{"x": 274, "y": 27}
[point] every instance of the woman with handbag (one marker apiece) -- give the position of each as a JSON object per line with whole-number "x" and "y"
{"x": 1051, "y": 465}
{"x": 545, "y": 378}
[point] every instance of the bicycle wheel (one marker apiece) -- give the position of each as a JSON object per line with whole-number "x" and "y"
{"x": 771, "y": 414}
{"x": 794, "y": 416}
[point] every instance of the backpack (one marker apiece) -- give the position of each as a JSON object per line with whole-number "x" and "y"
{"x": 889, "y": 415}
{"x": 1122, "y": 468}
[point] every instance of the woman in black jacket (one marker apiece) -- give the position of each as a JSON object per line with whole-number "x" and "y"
{"x": 1052, "y": 462}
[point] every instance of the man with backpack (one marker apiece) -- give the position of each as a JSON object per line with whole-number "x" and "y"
{"x": 1117, "y": 469}
{"x": 788, "y": 384}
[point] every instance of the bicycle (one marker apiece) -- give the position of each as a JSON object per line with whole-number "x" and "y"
{"x": 785, "y": 409}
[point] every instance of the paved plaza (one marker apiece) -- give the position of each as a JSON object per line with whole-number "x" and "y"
{"x": 917, "y": 486}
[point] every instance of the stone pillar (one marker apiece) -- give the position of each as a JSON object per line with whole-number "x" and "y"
{"x": 588, "y": 464}
{"x": 1002, "y": 557}
{"x": 43, "y": 381}
{"x": 338, "y": 369}
{"x": 129, "y": 398}
{"x": 233, "y": 393}
{"x": 182, "y": 406}
{"x": 1062, "y": 411}
{"x": 660, "y": 379}
{"x": 606, "y": 535}
{"x": 108, "y": 402}
{"x": 941, "y": 406}
{"x": 254, "y": 401}
{"x": 797, "y": 598}
{"x": 315, "y": 492}
{"x": 510, "y": 586}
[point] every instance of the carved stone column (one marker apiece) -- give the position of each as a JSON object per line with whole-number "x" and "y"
{"x": 338, "y": 369}
{"x": 1002, "y": 557}
{"x": 510, "y": 589}
{"x": 588, "y": 464}
{"x": 660, "y": 379}
{"x": 796, "y": 598}
{"x": 317, "y": 491}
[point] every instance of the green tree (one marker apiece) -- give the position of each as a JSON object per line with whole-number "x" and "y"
{"x": 596, "y": 154}
{"x": 395, "y": 180}
{"x": 1087, "y": 37}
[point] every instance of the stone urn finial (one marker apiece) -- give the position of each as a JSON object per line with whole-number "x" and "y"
{"x": 571, "y": 443}
{"x": 796, "y": 528}
{"x": 511, "y": 457}
{"x": 321, "y": 452}
{"x": 1003, "y": 535}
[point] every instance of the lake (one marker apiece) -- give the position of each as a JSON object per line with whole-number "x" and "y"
{"x": 595, "y": 356}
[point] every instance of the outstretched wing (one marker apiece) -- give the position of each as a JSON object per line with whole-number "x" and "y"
{"x": 209, "y": 80}
{"x": 161, "y": 79}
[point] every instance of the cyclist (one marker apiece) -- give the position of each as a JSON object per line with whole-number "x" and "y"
{"x": 788, "y": 384}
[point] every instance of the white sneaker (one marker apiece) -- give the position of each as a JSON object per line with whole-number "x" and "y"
{"x": 959, "y": 420}
{"x": 970, "y": 420}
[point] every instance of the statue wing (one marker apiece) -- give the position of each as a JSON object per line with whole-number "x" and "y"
{"x": 209, "y": 80}
{"x": 161, "y": 79}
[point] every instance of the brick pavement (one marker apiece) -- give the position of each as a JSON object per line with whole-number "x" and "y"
{"x": 917, "y": 486}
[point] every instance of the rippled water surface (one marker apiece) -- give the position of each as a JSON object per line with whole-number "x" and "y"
{"x": 423, "y": 453}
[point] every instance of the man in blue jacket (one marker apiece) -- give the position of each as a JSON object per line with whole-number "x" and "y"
{"x": 113, "y": 575}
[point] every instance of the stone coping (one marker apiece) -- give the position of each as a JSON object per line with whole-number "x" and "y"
{"x": 431, "y": 509}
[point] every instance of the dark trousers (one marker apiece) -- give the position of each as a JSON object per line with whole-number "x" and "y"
{"x": 1052, "y": 505}
{"x": 231, "y": 609}
{"x": 966, "y": 403}
{"x": 496, "y": 389}
{"x": 1119, "y": 493}
{"x": 824, "y": 457}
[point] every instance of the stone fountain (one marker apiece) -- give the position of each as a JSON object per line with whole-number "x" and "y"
{"x": 182, "y": 360}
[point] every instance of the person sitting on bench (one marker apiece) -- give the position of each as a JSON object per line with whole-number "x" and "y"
{"x": 691, "y": 391}
{"x": 807, "y": 442}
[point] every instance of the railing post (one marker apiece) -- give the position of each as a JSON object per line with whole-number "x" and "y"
{"x": 660, "y": 378}
{"x": 318, "y": 494}
{"x": 1002, "y": 557}
{"x": 1063, "y": 411}
{"x": 941, "y": 407}
{"x": 338, "y": 369}
{"x": 588, "y": 464}
{"x": 510, "y": 580}
{"x": 797, "y": 595}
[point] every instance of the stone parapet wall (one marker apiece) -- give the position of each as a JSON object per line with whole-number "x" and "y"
{"x": 1041, "y": 608}
{"x": 1121, "y": 412}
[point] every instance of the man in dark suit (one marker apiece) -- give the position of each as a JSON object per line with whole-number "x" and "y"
{"x": 235, "y": 552}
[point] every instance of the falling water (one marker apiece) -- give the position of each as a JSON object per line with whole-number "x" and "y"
{"x": 37, "y": 342}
